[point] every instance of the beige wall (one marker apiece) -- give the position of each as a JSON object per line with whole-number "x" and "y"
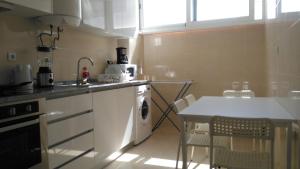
{"x": 20, "y": 35}
{"x": 283, "y": 54}
{"x": 283, "y": 58}
{"x": 212, "y": 58}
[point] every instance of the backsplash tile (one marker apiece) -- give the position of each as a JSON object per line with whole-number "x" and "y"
{"x": 20, "y": 35}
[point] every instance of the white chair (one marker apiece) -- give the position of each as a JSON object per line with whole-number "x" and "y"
{"x": 200, "y": 128}
{"x": 193, "y": 138}
{"x": 261, "y": 129}
{"x": 241, "y": 94}
{"x": 190, "y": 99}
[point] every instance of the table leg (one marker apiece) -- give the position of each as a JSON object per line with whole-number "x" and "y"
{"x": 289, "y": 147}
{"x": 183, "y": 144}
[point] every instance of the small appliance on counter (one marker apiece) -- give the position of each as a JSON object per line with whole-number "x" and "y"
{"x": 126, "y": 72}
{"x": 121, "y": 55}
{"x": 21, "y": 81}
{"x": 45, "y": 76}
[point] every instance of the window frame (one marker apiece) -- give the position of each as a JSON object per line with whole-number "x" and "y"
{"x": 294, "y": 15}
{"x": 279, "y": 15}
{"x": 191, "y": 22}
{"x": 290, "y": 13}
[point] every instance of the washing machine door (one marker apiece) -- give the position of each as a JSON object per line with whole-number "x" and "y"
{"x": 144, "y": 110}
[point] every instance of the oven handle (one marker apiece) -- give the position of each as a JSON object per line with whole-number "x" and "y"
{"x": 19, "y": 125}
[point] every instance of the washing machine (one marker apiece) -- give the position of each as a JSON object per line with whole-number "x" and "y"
{"x": 143, "y": 125}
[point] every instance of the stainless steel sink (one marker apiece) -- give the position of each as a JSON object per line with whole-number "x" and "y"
{"x": 73, "y": 84}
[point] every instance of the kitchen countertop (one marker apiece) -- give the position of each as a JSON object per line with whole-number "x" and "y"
{"x": 64, "y": 91}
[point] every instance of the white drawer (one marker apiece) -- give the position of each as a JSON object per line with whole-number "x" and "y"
{"x": 69, "y": 150}
{"x": 67, "y": 106}
{"x": 68, "y": 128}
{"x": 84, "y": 162}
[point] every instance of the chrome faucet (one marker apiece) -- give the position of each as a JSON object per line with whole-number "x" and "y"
{"x": 78, "y": 65}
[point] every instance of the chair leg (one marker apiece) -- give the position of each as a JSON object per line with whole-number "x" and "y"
{"x": 192, "y": 152}
{"x": 210, "y": 154}
{"x": 178, "y": 152}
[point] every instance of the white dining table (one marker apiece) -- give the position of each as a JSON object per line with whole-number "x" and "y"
{"x": 207, "y": 107}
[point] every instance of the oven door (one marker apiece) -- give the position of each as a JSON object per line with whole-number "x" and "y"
{"x": 20, "y": 145}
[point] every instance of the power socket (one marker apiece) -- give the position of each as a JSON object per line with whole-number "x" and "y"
{"x": 11, "y": 56}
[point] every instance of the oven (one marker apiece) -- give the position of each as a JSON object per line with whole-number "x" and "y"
{"x": 20, "y": 143}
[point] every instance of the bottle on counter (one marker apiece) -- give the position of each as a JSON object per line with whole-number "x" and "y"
{"x": 85, "y": 75}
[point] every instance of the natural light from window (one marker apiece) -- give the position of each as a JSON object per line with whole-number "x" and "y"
{"x": 136, "y": 159}
{"x": 271, "y": 9}
{"x": 258, "y": 8}
{"x": 168, "y": 163}
{"x": 163, "y": 12}
{"x": 290, "y": 6}
{"x": 127, "y": 157}
{"x": 221, "y": 9}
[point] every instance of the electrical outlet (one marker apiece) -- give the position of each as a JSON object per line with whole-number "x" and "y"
{"x": 11, "y": 56}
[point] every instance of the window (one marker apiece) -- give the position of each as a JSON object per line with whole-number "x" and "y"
{"x": 271, "y": 9}
{"x": 221, "y": 9}
{"x": 290, "y": 6}
{"x": 171, "y": 15}
{"x": 258, "y": 9}
{"x": 163, "y": 12}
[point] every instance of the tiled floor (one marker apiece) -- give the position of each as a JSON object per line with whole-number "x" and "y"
{"x": 158, "y": 152}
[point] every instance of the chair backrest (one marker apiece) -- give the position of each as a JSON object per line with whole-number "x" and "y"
{"x": 180, "y": 105}
{"x": 190, "y": 99}
{"x": 242, "y": 127}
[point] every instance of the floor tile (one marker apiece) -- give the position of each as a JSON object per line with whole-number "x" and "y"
{"x": 158, "y": 152}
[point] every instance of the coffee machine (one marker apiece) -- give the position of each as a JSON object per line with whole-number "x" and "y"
{"x": 121, "y": 55}
{"x": 45, "y": 77}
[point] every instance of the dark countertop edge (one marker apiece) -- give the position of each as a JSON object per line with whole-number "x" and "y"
{"x": 54, "y": 94}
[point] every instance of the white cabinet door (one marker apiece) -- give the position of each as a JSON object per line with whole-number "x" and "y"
{"x": 39, "y": 5}
{"x": 68, "y": 106}
{"x": 124, "y": 17}
{"x": 125, "y": 123}
{"x": 93, "y": 13}
{"x": 105, "y": 125}
{"x": 113, "y": 125}
{"x": 70, "y": 150}
{"x": 70, "y": 130}
{"x": 117, "y": 18}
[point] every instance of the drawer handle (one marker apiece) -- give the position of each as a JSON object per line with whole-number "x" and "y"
{"x": 19, "y": 125}
{"x": 70, "y": 116}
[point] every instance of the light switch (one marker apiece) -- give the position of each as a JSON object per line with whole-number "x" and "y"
{"x": 11, "y": 56}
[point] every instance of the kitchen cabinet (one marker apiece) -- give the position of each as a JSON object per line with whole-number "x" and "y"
{"x": 70, "y": 131}
{"x": 88, "y": 130}
{"x": 71, "y": 150}
{"x": 117, "y": 18}
{"x": 113, "y": 122}
{"x": 93, "y": 13}
{"x": 30, "y": 8}
{"x": 124, "y": 17}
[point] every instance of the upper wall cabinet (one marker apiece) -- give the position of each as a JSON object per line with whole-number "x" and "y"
{"x": 93, "y": 13}
{"x": 117, "y": 18}
{"x": 124, "y": 17}
{"x": 27, "y": 8}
